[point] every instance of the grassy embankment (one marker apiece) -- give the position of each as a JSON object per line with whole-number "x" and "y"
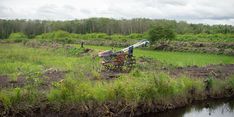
{"x": 135, "y": 87}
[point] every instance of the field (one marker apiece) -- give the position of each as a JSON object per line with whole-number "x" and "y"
{"x": 64, "y": 78}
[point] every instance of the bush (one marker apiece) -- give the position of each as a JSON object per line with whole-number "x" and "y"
{"x": 135, "y": 36}
{"x": 161, "y": 32}
{"x": 95, "y": 36}
{"x": 54, "y": 35}
{"x": 59, "y": 36}
{"x": 17, "y": 37}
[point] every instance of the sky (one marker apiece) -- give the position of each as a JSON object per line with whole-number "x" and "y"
{"x": 192, "y": 11}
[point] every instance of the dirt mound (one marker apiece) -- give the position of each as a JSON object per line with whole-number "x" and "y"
{"x": 216, "y": 71}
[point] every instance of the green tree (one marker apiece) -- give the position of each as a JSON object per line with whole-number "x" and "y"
{"x": 161, "y": 32}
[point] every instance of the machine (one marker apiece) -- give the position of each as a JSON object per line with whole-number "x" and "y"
{"x": 122, "y": 60}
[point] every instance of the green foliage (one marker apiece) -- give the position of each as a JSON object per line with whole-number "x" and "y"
{"x": 72, "y": 90}
{"x": 161, "y": 32}
{"x": 54, "y": 35}
{"x": 14, "y": 96}
{"x": 135, "y": 36}
{"x": 117, "y": 37}
{"x": 74, "y": 51}
{"x": 130, "y": 88}
{"x": 59, "y": 36}
{"x": 105, "y": 25}
{"x": 17, "y": 37}
{"x": 206, "y": 37}
{"x": 231, "y": 82}
{"x": 95, "y": 36}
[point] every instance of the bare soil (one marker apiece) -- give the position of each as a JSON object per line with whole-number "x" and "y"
{"x": 220, "y": 71}
{"x": 49, "y": 76}
{"x": 52, "y": 75}
{"x": 7, "y": 82}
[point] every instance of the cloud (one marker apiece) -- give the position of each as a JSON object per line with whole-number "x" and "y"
{"x": 195, "y": 11}
{"x": 52, "y": 11}
{"x": 4, "y": 11}
{"x": 85, "y": 11}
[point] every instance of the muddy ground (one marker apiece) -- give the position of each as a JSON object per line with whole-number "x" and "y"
{"x": 47, "y": 77}
{"x": 220, "y": 71}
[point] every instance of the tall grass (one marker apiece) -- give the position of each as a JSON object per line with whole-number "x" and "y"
{"x": 137, "y": 86}
{"x": 15, "y": 96}
{"x": 145, "y": 87}
{"x": 15, "y": 57}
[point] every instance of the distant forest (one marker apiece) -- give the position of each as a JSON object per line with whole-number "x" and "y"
{"x": 105, "y": 25}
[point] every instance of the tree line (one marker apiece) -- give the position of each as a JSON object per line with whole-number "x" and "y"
{"x": 31, "y": 28}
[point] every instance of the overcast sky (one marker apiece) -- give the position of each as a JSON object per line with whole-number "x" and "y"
{"x": 194, "y": 11}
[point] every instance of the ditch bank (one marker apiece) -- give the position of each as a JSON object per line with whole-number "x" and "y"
{"x": 202, "y": 47}
{"x": 107, "y": 108}
{"x": 121, "y": 107}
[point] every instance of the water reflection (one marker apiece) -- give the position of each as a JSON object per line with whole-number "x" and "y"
{"x": 214, "y": 108}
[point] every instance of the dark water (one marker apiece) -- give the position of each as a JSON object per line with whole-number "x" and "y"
{"x": 214, "y": 108}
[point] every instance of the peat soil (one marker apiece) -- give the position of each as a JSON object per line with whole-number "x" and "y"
{"x": 47, "y": 77}
{"x": 221, "y": 71}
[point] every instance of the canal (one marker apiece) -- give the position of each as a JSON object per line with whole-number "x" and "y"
{"x": 212, "y": 108}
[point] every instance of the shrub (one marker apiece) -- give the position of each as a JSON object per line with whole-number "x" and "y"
{"x": 54, "y": 35}
{"x": 59, "y": 36}
{"x": 17, "y": 37}
{"x": 135, "y": 36}
{"x": 95, "y": 36}
{"x": 117, "y": 37}
{"x": 161, "y": 32}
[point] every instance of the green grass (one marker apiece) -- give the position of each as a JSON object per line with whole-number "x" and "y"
{"x": 145, "y": 87}
{"x": 16, "y": 57}
{"x": 137, "y": 86}
{"x": 177, "y": 58}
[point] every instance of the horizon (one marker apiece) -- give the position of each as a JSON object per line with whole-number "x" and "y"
{"x": 192, "y": 11}
{"x": 119, "y": 19}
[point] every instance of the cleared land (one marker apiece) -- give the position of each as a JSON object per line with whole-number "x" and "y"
{"x": 62, "y": 79}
